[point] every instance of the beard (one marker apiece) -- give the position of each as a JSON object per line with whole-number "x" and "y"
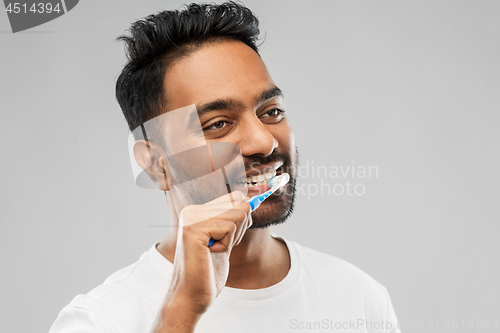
{"x": 279, "y": 206}
{"x": 196, "y": 186}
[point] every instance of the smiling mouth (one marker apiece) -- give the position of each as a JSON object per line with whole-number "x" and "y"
{"x": 259, "y": 180}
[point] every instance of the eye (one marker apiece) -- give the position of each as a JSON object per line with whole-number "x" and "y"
{"x": 273, "y": 112}
{"x": 216, "y": 126}
{"x": 273, "y": 116}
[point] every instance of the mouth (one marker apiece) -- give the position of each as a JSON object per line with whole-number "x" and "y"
{"x": 257, "y": 182}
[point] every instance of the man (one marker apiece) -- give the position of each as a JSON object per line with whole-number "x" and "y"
{"x": 249, "y": 280}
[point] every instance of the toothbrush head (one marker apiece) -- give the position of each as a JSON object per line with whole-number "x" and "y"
{"x": 279, "y": 181}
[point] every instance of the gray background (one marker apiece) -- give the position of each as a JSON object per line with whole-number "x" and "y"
{"x": 411, "y": 87}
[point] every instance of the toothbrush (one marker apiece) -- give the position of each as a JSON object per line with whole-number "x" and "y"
{"x": 276, "y": 182}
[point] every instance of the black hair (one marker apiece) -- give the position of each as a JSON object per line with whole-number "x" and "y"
{"x": 158, "y": 40}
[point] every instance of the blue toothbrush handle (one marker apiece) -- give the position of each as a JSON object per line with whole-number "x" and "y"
{"x": 255, "y": 202}
{"x": 211, "y": 242}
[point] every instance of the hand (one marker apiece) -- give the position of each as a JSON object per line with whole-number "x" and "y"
{"x": 200, "y": 272}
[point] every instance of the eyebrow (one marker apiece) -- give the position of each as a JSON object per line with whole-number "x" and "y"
{"x": 231, "y": 104}
{"x": 269, "y": 94}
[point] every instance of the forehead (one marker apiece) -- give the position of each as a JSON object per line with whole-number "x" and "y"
{"x": 221, "y": 70}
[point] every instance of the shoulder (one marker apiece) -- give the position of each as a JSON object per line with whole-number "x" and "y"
{"x": 80, "y": 316}
{"x": 135, "y": 289}
{"x": 143, "y": 278}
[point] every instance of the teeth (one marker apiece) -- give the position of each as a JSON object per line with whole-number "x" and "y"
{"x": 260, "y": 180}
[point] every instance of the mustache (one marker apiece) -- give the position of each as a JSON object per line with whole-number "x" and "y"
{"x": 260, "y": 159}
{"x": 238, "y": 173}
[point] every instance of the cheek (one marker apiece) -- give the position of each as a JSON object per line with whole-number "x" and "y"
{"x": 286, "y": 138}
{"x": 286, "y": 144}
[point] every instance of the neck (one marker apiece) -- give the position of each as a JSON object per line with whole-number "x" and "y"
{"x": 259, "y": 261}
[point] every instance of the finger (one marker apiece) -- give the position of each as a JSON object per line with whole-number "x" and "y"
{"x": 196, "y": 213}
{"x": 223, "y": 232}
{"x": 247, "y": 225}
{"x": 242, "y": 230}
{"x": 199, "y": 234}
{"x": 243, "y": 224}
{"x": 239, "y": 217}
{"x": 245, "y": 206}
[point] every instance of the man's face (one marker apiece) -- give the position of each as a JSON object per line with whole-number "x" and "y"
{"x": 238, "y": 102}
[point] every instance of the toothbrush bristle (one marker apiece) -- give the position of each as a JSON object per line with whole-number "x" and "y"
{"x": 272, "y": 181}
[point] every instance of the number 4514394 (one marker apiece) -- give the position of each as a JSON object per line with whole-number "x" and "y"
{"x": 36, "y": 8}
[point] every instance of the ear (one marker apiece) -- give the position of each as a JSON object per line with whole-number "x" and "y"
{"x": 152, "y": 160}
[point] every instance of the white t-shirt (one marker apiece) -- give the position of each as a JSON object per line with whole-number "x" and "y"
{"x": 321, "y": 293}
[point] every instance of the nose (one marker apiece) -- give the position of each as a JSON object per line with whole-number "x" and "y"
{"x": 255, "y": 138}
